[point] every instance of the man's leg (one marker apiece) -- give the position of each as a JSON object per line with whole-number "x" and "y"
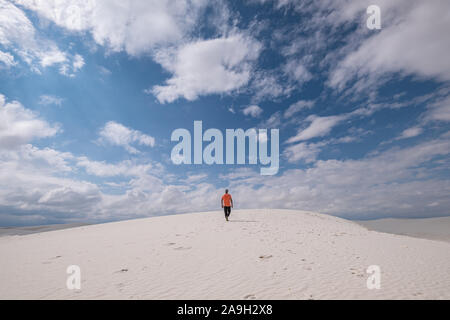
{"x": 225, "y": 211}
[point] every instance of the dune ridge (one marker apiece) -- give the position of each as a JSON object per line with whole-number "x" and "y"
{"x": 259, "y": 254}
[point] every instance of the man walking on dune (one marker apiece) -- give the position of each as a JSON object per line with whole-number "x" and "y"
{"x": 227, "y": 204}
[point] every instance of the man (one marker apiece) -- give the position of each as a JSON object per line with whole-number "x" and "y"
{"x": 227, "y": 204}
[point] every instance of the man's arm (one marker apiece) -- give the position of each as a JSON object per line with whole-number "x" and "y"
{"x": 231, "y": 202}
{"x": 221, "y": 201}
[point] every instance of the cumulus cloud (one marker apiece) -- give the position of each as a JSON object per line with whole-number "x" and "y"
{"x": 103, "y": 169}
{"x": 70, "y": 70}
{"x": 395, "y": 49}
{"x": 7, "y": 59}
{"x": 120, "y": 24}
{"x": 392, "y": 183}
{"x": 19, "y": 125}
{"x": 34, "y": 189}
{"x": 318, "y": 127}
{"x": 18, "y": 35}
{"x": 307, "y": 152}
{"x": 40, "y": 184}
{"x": 117, "y": 134}
{"x": 46, "y": 160}
{"x": 395, "y": 182}
{"x": 253, "y": 111}
{"x": 78, "y": 62}
{"x": 410, "y": 133}
{"x": 205, "y": 67}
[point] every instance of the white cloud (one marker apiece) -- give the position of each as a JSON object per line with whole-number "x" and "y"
{"x": 297, "y": 107}
{"x": 439, "y": 111}
{"x": 410, "y": 133}
{"x": 45, "y": 199}
{"x": 253, "y": 111}
{"x": 78, "y": 62}
{"x": 47, "y": 99}
{"x": 410, "y": 43}
{"x": 34, "y": 189}
{"x": 206, "y": 67}
{"x": 36, "y": 185}
{"x": 52, "y": 56}
{"x": 7, "y": 59}
{"x": 104, "y": 71}
{"x": 19, "y": 125}
{"x": 296, "y": 71}
{"x": 121, "y": 24}
{"x": 17, "y": 34}
{"x": 392, "y": 183}
{"x": 274, "y": 121}
{"x": 104, "y": 169}
{"x": 14, "y": 25}
{"x": 307, "y": 152}
{"x": 46, "y": 160}
{"x": 267, "y": 85}
{"x": 195, "y": 178}
{"x": 119, "y": 135}
{"x": 71, "y": 70}
{"x": 319, "y": 127}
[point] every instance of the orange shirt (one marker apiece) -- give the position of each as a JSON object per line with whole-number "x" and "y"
{"x": 226, "y": 200}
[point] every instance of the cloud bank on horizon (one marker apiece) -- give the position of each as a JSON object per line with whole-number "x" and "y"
{"x": 91, "y": 90}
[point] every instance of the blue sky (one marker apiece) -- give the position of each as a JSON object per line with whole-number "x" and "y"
{"x": 90, "y": 92}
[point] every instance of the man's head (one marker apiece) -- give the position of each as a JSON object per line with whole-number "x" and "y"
{"x": 226, "y": 190}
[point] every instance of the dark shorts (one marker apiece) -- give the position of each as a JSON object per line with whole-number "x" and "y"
{"x": 227, "y": 211}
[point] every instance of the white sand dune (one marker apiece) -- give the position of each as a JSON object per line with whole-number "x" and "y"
{"x": 260, "y": 254}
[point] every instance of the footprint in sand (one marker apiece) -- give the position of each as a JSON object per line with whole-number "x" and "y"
{"x": 120, "y": 286}
{"x": 52, "y": 258}
{"x": 250, "y": 297}
{"x": 122, "y": 271}
{"x": 182, "y": 248}
{"x": 265, "y": 257}
{"x": 170, "y": 244}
